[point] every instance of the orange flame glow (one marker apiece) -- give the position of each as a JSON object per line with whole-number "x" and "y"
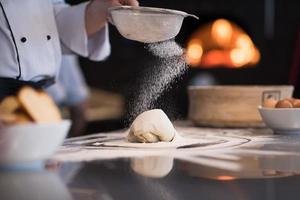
{"x": 239, "y": 56}
{"x": 194, "y": 52}
{"x": 221, "y": 43}
{"x": 221, "y": 32}
{"x": 225, "y": 178}
{"x": 243, "y": 41}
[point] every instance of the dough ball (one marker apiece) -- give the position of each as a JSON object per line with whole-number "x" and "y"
{"x": 151, "y": 126}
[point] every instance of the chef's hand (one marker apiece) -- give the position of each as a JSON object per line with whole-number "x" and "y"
{"x": 97, "y": 13}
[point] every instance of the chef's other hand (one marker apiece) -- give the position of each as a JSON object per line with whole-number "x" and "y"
{"x": 97, "y": 13}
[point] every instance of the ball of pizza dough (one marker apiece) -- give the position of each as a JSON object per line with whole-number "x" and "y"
{"x": 152, "y": 126}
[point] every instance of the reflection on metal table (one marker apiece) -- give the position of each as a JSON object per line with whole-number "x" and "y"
{"x": 222, "y": 164}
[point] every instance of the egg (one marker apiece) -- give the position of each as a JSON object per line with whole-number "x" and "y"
{"x": 296, "y": 103}
{"x": 284, "y": 104}
{"x": 290, "y": 100}
{"x": 269, "y": 103}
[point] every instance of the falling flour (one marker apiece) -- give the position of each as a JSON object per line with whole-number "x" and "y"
{"x": 170, "y": 67}
{"x": 166, "y": 49}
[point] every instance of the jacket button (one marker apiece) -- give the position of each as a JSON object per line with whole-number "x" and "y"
{"x": 48, "y": 37}
{"x": 23, "y": 39}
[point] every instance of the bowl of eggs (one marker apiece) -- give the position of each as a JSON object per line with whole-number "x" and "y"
{"x": 282, "y": 116}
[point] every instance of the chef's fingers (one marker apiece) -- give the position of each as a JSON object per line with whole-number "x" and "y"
{"x": 129, "y": 2}
{"x": 116, "y": 3}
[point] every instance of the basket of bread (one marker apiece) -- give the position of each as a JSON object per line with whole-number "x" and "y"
{"x": 31, "y": 127}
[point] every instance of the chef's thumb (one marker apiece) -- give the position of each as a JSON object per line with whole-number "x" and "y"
{"x": 129, "y": 2}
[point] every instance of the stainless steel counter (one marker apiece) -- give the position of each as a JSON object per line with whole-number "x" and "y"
{"x": 226, "y": 164}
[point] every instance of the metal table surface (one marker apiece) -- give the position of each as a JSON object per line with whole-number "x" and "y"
{"x": 229, "y": 164}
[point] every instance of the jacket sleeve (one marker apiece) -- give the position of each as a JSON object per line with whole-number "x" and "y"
{"x": 70, "y": 22}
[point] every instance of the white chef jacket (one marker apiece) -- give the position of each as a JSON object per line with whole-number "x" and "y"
{"x": 34, "y": 34}
{"x": 70, "y": 87}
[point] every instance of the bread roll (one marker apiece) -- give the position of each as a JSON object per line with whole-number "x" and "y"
{"x": 39, "y": 105}
{"x": 9, "y": 105}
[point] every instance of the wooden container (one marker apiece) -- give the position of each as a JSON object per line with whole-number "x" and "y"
{"x": 231, "y": 106}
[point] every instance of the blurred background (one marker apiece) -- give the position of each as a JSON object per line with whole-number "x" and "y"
{"x": 250, "y": 42}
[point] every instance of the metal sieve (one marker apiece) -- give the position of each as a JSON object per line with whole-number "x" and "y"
{"x": 147, "y": 24}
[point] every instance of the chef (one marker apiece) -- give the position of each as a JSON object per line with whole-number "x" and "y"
{"x": 70, "y": 91}
{"x": 35, "y": 33}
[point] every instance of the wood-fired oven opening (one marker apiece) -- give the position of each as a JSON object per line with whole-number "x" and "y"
{"x": 221, "y": 43}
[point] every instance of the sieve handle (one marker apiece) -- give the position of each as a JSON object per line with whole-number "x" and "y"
{"x": 190, "y": 15}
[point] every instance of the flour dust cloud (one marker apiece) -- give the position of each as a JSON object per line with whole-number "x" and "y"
{"x": 160, "y": 77}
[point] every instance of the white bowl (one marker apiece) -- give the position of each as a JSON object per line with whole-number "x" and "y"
{"x": 31, "y": 142}
{"x": 281, "y": 120}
